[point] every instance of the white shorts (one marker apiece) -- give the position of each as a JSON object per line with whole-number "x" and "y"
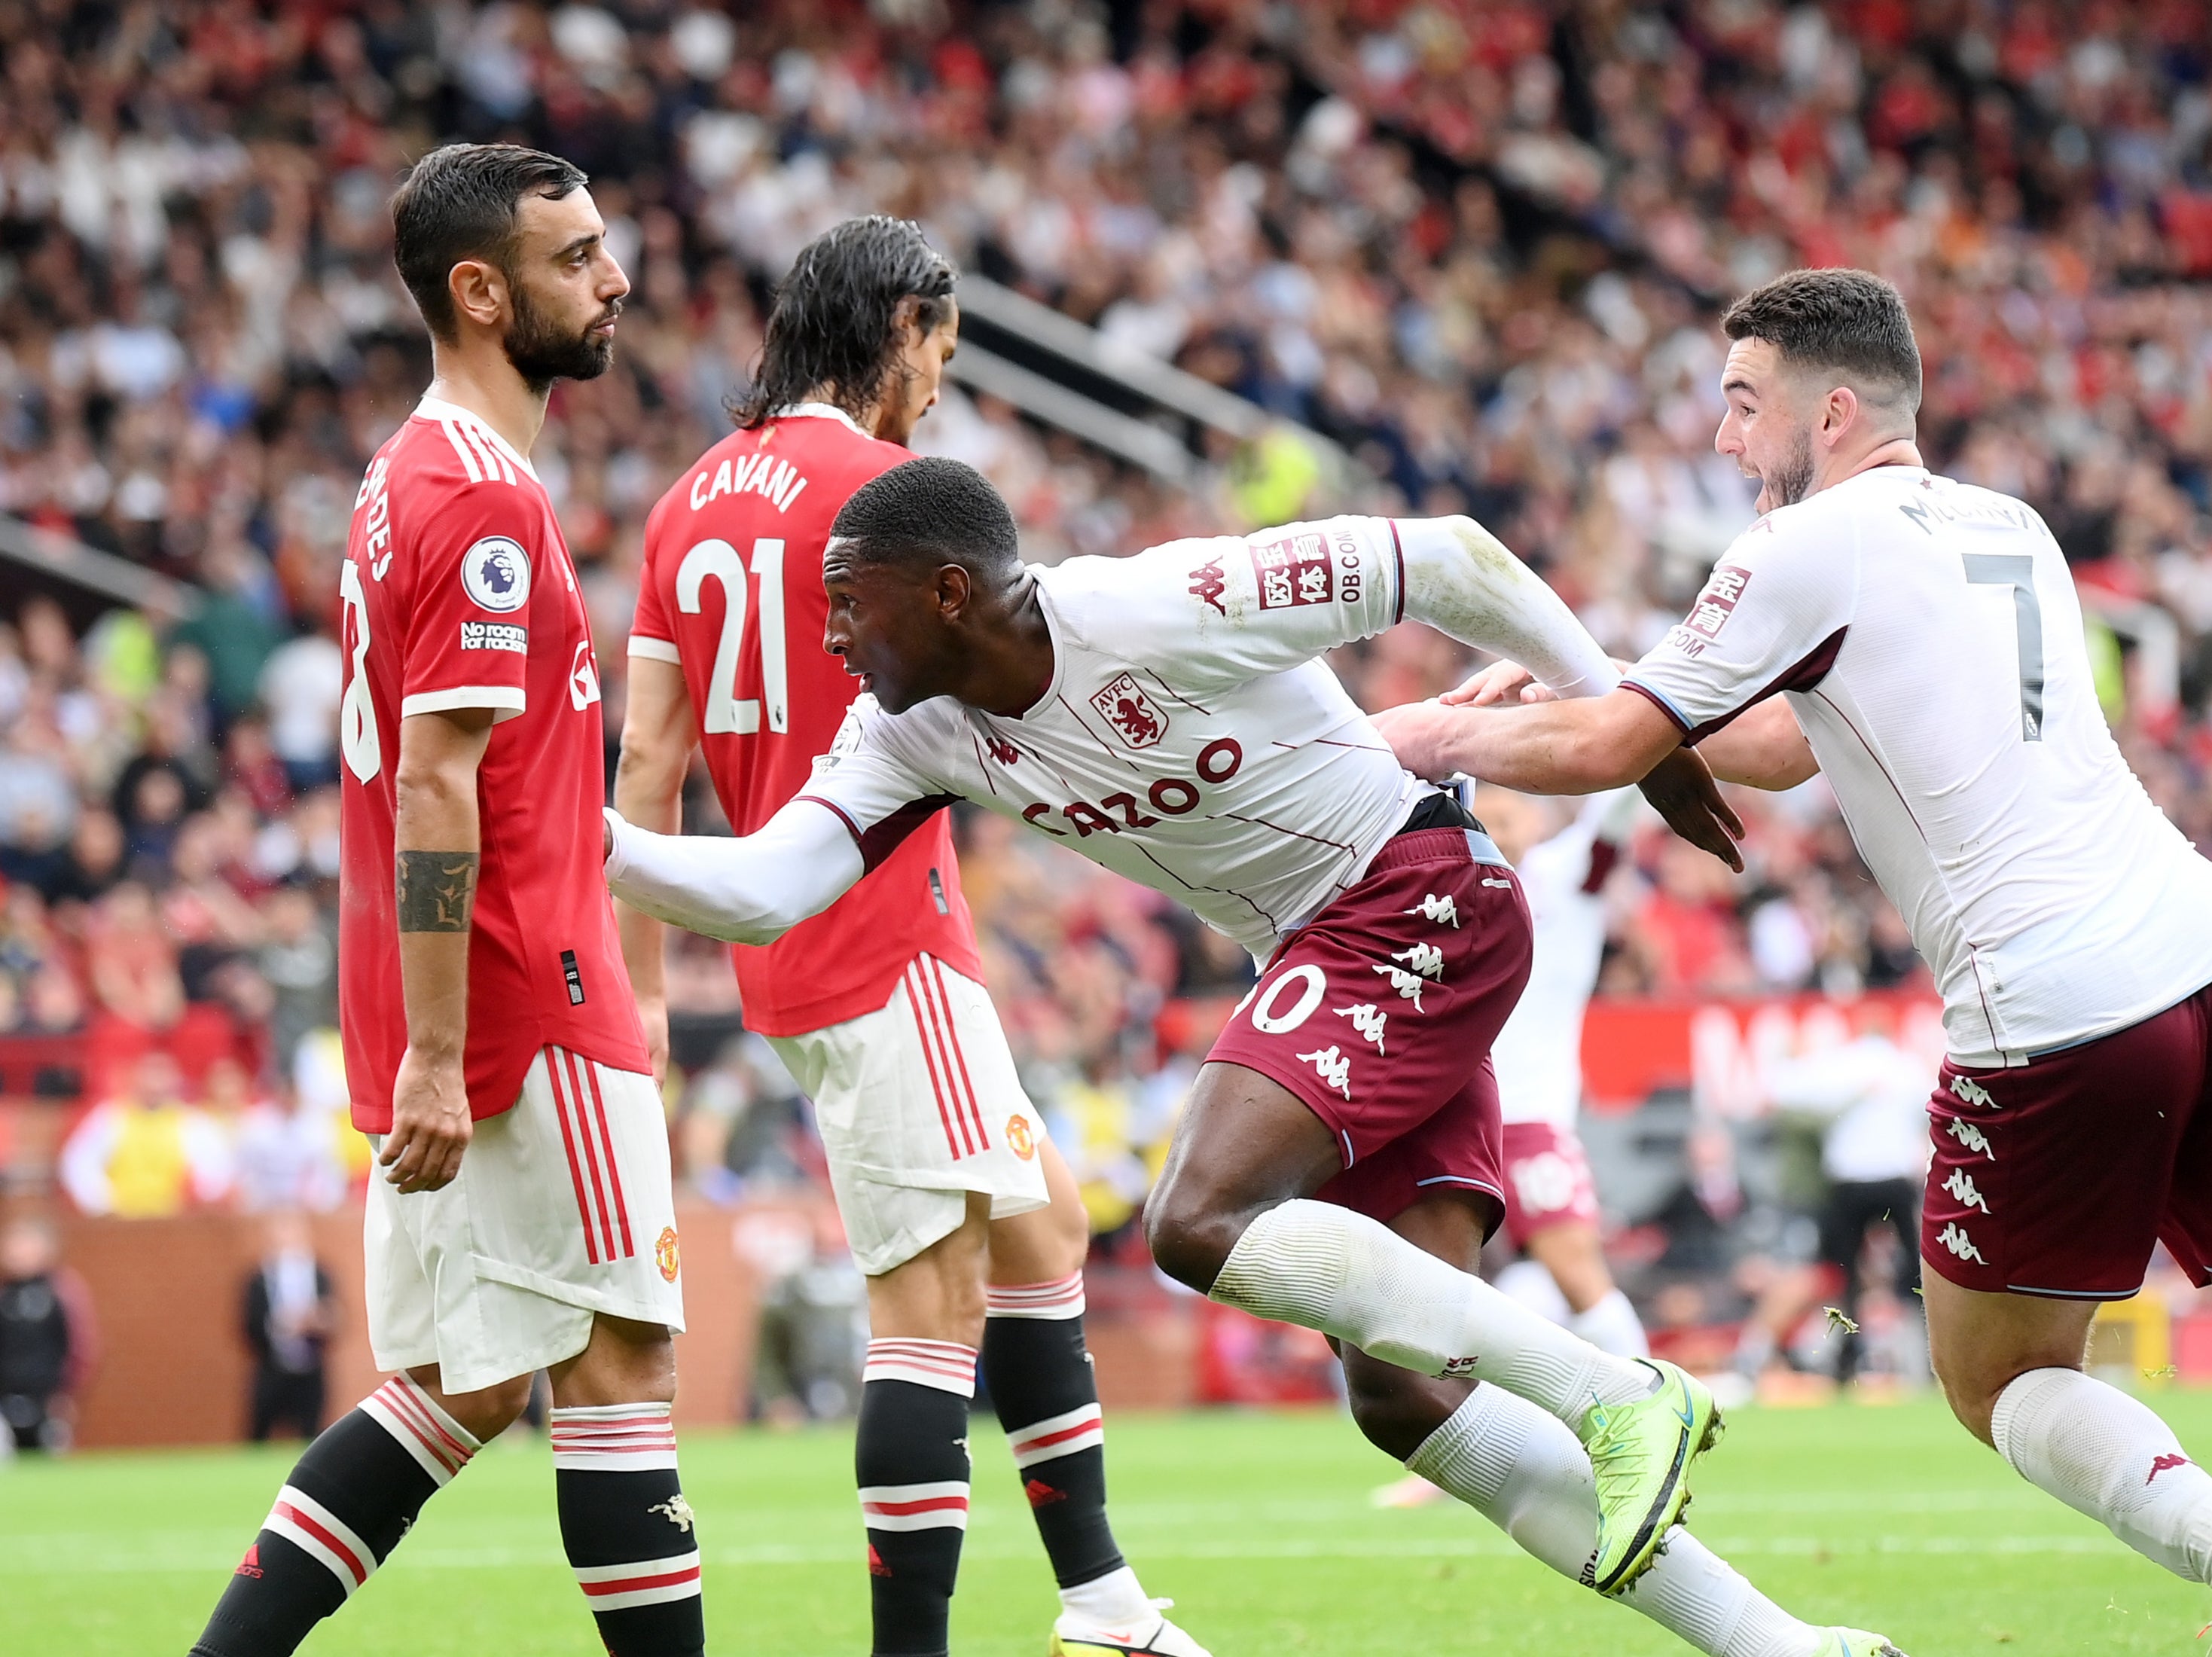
{"x": 917, "y": 1105}
{"x": 563, "y": 1208}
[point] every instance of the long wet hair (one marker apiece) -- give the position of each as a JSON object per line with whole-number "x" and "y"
{"x": 833, "y": 326}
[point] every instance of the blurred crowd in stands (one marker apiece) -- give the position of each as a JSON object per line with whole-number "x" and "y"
{"x": 1479, "y": 244}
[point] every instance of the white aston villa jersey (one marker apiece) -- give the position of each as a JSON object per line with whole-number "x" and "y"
{"x": 1539, "y": 1054}
{"x": 1930, "y": 639}
{"x": 1188, "y": 740}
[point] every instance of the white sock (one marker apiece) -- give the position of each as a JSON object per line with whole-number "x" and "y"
{"x": 1329, "y": 1269}
{"x": 1525, "y": 1473}
{"x": 1114, "y": 1600}
{"x": 1612, "y": 1326}
{"x": 2103, "y": 1454}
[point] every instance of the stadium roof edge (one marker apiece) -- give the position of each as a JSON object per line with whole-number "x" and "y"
{"x": 49, "y": 552}
{"x": 1155, "y": 381}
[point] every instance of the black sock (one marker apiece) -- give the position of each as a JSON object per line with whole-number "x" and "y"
{"x": 1040, "y": 1380}
{"x": 350, "y": 1500}
{"x": 911, "y": 1458}
{"x": 626, "y": 1528}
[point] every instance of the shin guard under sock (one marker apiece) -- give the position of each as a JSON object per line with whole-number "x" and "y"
{"x": 350, "y": 1499}
{"x": 1041, "y": 1382}
{"x": 911, "y": 1458}
{"x": 626, "y": 1528}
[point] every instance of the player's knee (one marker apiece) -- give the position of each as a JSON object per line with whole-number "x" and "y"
{"x": 1395, "y": 1409}
{"x": 1190, "y": 1238}
{"x": 491, "y": 1411}
{"x": 1066, "y": 1237}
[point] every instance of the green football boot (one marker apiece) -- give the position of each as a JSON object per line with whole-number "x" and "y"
{"x": 1641, "y": 1452}
{"x": 1857, "y": 1642}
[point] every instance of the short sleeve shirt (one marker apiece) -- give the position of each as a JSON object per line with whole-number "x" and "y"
{"x": 458, "y": 593}
{"x": 732, "y": 594}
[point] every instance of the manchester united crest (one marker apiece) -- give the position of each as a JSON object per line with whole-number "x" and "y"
{"x": 1124, "y": 705}
{"x": 1019, "y": 1139}
{"x": 664, "y": 1254}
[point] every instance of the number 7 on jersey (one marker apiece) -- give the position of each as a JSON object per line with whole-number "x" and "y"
{"x": 2017, "y": 571}
{"x": 727, "y": 712}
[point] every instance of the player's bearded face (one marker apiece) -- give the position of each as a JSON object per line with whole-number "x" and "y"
{"x": 1787, "y": 482}
{"x": 544, "y": 347}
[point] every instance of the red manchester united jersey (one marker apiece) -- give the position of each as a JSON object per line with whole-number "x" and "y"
{"x": 458, "y": 593}
{"x": 732, "y": 592}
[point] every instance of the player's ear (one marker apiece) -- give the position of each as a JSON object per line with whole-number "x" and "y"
{"x": 906, "y": 325}
{"x": 1837, "y": 413}
{"x": 954, "y": 587}
{"x": 479, "y": 291}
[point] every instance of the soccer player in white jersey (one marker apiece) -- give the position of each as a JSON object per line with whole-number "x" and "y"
{"x": 1551, "y": 1200}
{"x": 1928, "y": 639}
{"x": 1338, "y": 1158}
{"x": 1563, "y": 857}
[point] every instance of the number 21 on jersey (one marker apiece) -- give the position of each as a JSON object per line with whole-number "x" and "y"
{"x": 727, "y": 712}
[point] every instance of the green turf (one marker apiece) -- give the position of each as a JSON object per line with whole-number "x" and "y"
{"x": 1258, "y": 1524}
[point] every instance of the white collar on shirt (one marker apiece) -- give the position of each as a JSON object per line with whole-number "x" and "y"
{"x": 818, "y": 411}
{"x": 431, "y": 408}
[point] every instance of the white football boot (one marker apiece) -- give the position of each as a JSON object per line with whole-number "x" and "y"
{"x": 1155, "y": 1636}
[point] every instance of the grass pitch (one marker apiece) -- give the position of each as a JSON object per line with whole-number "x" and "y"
{"x": 1259, "y": 1525}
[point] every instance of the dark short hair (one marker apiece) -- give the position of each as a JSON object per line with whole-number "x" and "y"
{"x": 925, "y": 513}
{"x": 832, "y": 325}
{"x": 1851, "y": 321}
{"x": 462, "y": 203}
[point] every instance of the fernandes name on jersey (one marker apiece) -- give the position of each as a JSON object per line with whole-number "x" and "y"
{"x": 732, "y": 592}
{"x": 458, "y": 593}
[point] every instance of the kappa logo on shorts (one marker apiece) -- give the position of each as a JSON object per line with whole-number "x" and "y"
{"x": 1441, "y": 910}
{"x": 666, "y": 1256}
{"x": 1964, "y": 1192}
{"x": 1460, "y": 1369}
{"x": 1366, "y": 1020}
{"x": 1971, "y": 1137}
{"x": 1409, "y": 985}
{"x": 1335, "y": 1069}
{"x": 1425, "y": 959}
{"x": 1954, "y": 1238}
{"x": 1970, "y": 1092}
{"x": 2165, "y": 1464}
{"x": 1019, "y": 1139}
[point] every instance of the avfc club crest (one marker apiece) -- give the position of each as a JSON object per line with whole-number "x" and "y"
{"x": 1123, "y": 705}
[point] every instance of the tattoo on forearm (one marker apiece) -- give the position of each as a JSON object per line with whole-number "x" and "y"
{"x": 437, "y": 890}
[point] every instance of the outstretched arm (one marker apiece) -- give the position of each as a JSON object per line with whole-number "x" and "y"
{"x": 656, "y": 748}
{"x": 1461, "y": 579}
{"x": 748, "y": 890}
{"x": 1764, "y": 749}
{"x": 1571, "y": 747}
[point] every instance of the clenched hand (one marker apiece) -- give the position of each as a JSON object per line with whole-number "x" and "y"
{"x": 430, "y": 1125}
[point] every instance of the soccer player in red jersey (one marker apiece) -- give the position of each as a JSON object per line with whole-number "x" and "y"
{"x": 524, "y": 1218}
{"x": 959, "y": 1210}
